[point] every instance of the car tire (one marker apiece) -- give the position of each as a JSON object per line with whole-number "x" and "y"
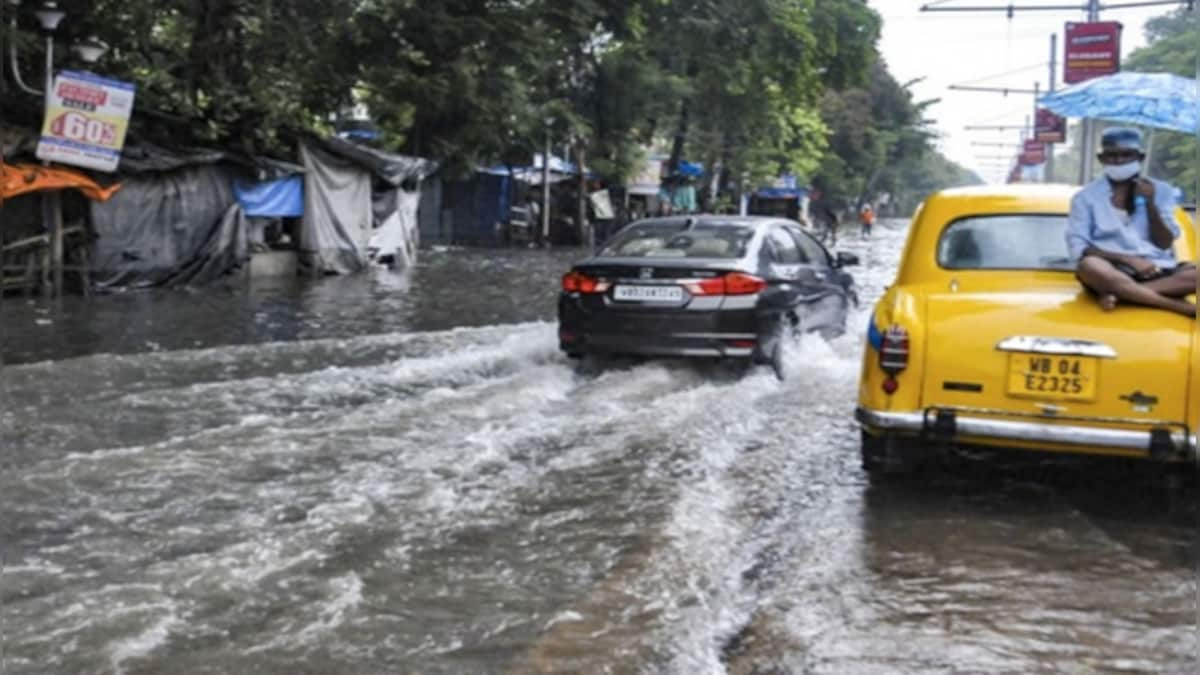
{"x": 778, "y": 360}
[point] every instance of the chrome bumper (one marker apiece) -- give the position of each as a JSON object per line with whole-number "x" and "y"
{"x": 1018, "y": 430}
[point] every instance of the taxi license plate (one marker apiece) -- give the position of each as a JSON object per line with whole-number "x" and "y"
{"x": 648, "y": 293}
{"x": 1048, "y": 376}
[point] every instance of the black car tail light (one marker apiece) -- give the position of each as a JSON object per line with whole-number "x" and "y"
{"x": 578, "y": 282}
{"x": 733, "y": 283}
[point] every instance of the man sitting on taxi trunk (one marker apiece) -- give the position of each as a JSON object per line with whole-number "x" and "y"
{"x": 1122, "y": 229}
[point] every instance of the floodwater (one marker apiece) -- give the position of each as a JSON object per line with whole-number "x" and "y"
{"x": 400, "y": 473}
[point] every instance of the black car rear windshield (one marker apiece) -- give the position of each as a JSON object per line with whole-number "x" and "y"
{"x": 660, "y": 240}
{"x": 1024, "y": 241}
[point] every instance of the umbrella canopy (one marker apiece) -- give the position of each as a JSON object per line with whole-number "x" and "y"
{"x": 1159, "y": 100}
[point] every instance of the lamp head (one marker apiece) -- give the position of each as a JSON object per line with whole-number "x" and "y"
{"x": 90, "y": 50}
{"x": 49, "y": 15}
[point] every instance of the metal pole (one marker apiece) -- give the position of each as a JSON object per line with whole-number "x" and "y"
{"x": 1033, "y": 133}
{"x": 545, "y": 238}
{"x": 1050, "y": 146}
{"x": 1087, "y": 141}
{"x": 54, "y": 222}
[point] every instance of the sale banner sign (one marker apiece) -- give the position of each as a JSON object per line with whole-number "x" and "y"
{"x": 86, "y": 119}
{"x": 1049, "y": 128}
{"x": 1033, "y": 153}
{"x": 1092, "y": 50}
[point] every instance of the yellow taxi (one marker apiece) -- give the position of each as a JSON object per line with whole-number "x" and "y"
{"x": 987, "y": 339}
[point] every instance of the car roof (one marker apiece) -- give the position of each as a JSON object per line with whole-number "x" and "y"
{"x": 1013, "y": 197}
{"x": 753, "y": 222}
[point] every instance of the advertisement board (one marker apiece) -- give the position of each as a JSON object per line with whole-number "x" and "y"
{"x": 1091, "y": 50}
{"x": 1049, "y": 128}
{"x": 86, "y": 119}
{"x": 1033, "y": 153}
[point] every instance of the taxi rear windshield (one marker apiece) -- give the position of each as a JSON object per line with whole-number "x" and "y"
{"x": 1007, "y": 242}
{"x": 659, "y": 240}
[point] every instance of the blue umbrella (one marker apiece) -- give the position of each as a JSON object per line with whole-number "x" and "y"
{"x": 1157, "y": 100}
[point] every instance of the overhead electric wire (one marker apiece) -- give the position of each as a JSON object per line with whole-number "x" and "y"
{"x": 1023, "y": 69}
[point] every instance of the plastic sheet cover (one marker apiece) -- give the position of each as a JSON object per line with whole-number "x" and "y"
{"x": 338, "y": 217}
{"x": 281, "y": 198}
{"x": 171, "y": 228}
{"x": 398, "y": 232}
{"x": 19, "y": 179}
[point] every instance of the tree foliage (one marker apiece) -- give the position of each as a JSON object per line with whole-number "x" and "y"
{"x": 1172, "y": 47}
{"x": 750, "y": 88}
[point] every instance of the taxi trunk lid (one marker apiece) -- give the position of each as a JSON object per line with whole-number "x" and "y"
{"x": 1056, "y": 354}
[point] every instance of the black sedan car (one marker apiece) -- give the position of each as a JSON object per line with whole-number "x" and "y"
{"x": 705, "y": 286}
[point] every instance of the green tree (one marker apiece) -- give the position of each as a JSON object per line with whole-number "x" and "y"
{"x": 1172, "y": 47}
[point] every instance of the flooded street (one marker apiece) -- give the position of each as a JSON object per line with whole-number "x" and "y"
{"x": 401, "y": 473}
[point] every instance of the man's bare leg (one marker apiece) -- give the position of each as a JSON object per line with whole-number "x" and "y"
{"x": 1178, "y": 285}
{"x": 1114, "y": 285}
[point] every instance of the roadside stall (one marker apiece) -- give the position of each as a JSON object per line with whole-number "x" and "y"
{"x": 350, "y": 191}
{"x": 25, "y": 244}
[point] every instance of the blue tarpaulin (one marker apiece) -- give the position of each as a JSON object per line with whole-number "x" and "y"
{"x": 781, "y": 193}
{"x": 281, "y": 198}
{"x": 1159, "y": 100}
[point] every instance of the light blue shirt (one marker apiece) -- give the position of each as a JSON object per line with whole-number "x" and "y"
{"x": 1095, "y": 222}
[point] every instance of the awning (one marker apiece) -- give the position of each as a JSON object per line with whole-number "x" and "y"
{"x": 19, "y": 179}
{"x": 281, "y": 198}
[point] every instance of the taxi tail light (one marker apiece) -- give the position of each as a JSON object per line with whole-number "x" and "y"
{"x": 893, "y": 352}
{"x": 578, "y": 282}
{"x": 733, "y": 283}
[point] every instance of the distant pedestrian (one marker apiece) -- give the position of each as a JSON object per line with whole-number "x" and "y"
{"x": 825, "y": 218}
{"x": 866, "y": 217}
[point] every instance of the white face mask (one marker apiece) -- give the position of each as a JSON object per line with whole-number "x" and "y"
{"x": 1122, "y": 172}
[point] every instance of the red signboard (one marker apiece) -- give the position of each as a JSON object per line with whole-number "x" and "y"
{"x": 1033, "y": 153}
{"x": 1091, "y": 50}
{"x": 1050, "y": 128}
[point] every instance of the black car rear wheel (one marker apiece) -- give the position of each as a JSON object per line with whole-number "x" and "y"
{"x": 775, "y": 341}
{"x": 778, "y": 359}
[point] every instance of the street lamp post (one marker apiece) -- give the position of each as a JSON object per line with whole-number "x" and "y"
{"x": 49, "y": 16}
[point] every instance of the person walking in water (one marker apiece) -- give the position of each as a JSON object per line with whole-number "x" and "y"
{"x": 866, "y": 218}
{"x": 1121, "y": 232}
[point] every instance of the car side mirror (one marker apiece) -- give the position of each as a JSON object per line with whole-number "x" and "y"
{"x": 845, "y": 259}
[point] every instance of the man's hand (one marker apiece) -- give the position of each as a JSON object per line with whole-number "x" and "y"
{"x": 1145, "y": 188}
{"x": 1144, "y": 268}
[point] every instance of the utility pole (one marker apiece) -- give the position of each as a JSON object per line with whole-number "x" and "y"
{"x": 1033, "y": 130}
{"x": 1092, "y": 8}
{"x": 1053, "y": 67}
{"x": 1086, "y": 144}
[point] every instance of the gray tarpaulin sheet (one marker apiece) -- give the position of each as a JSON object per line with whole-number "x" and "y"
{"x": 395, "y": 169}
{"x": 397, "y": 234}
{"x": 168, "y": 228}
{"x": 144, "y": 157}
{"x": 341, "y": 211}
{"x": 338, "y": 218}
